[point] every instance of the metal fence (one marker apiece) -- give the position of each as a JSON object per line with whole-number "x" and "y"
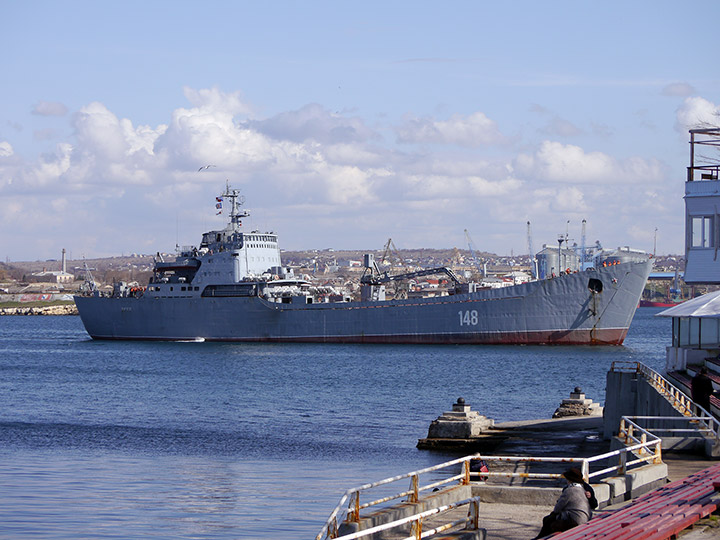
{"x": 695, "y": 415}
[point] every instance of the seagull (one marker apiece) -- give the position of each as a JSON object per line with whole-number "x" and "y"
{"x": 206, "y": 167}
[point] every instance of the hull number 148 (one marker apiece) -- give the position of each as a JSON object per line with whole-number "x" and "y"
{"x": 468, "y": 317}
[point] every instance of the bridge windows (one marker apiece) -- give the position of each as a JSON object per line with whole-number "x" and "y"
{"x": 701, "y": 231}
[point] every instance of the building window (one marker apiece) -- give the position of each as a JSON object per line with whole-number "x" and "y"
{"x": 701, "y": 231}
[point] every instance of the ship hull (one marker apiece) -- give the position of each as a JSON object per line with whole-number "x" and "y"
{"x": 563, "y": 310}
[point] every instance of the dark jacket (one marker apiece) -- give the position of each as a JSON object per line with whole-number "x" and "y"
{"x": 702, "y": 389}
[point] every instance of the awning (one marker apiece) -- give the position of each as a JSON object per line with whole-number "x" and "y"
{"x": 705, "y": 306}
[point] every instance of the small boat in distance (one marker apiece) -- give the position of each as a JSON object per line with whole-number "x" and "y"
{"x": 650, "y": 303}
{"x": 233, "y": 287}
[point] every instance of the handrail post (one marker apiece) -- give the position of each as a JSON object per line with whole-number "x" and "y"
{"x": 466, "y": 473}
{"x": 333, "y": 529}
{"x": 658, "y": 453}
{"x": 585, "y": 469}
{"x": 622, "y": 467}
{"x": 355, "y": 504}
{"x": 417, "y": 529}
{"x": 643, "y": 441}
{"x": 413, "y": 498}
{"x": 475, "y": 515}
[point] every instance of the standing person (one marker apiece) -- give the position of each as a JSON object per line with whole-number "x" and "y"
{"x": 572, "y": 508}
{"x": 702, "y": 389}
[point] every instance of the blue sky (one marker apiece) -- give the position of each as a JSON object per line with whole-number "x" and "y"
{"x": 344, "y": 124}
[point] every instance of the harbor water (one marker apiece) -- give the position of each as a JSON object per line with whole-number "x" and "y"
{"x": 205, "y": 440}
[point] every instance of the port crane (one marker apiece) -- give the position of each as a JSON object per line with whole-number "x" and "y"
{"x": 391, "y": 250}
{"x": 471, "y": 246}
{"x": 401, "y": 288}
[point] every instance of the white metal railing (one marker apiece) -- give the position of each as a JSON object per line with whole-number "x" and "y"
{"x": 692, "y": 412}
{"x": 638, "y": 441}
{"x": 416, "y": 521}
{"x": 352, "y": 495}
{"x": 682, "y": 432}
{"x": 646, "y": 446}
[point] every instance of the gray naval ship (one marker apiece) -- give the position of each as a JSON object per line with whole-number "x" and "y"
{"x": 233, "y": 287}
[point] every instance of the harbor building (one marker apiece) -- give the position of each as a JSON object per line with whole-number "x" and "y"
{"x": 696, "y": 323}
{"x": 702, "y": 221}
{"x": 54, "y": 276}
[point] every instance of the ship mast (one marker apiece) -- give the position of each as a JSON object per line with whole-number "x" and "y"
{"x": 236, "y": 200}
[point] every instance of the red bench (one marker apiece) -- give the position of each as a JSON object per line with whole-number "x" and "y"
{"x": 715, "y": 362}
{"x": 682, "y": 379}
{"x": 658, "y": 515}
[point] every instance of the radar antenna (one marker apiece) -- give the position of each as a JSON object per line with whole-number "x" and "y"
{"x": 236, "y": 200}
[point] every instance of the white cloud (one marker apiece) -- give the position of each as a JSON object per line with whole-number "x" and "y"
{"x": 697, "y": 112}
{"x": 332, "y": 173}
{"x": 207, "y": 133}
{"x": 49, "y": 108}
{"x": 557, "y": 162}
{"x": 214, "y": 100}
{"x": 313, "y": 122}
{"x": 6, "y": 149}
{"x": 678, "y": 90}
{"x": 101, "y": 134}
{"x": 49, "y": 169}
{"x": 570, "y": 199}
{"x": 473, "y": 130}
{"x": 556, "y": 126}
{"x": 562, "y": 128}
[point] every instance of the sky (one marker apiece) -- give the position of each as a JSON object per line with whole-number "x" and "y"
{"x": 344, "y": 124}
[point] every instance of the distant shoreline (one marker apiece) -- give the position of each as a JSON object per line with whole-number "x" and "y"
{"x": 62, "y": 309}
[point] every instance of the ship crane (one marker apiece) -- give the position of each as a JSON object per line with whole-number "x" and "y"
{"x": 377, "y": 279}
{"x": 471, "y": 246}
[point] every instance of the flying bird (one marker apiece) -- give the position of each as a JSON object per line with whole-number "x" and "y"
{"x": 206, "y": 167}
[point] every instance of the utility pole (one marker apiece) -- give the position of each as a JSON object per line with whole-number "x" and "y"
{"x": 582, "y": 246}
{"x": 655, "y": 243}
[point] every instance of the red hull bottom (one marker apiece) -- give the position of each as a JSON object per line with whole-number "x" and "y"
{"x": 613, "y": 336}
{"x": 648, "y": 303}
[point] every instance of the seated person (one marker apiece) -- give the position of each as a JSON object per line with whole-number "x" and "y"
{"x": 572, "y": 508}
